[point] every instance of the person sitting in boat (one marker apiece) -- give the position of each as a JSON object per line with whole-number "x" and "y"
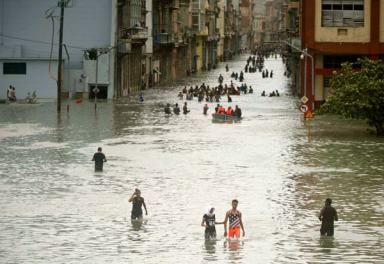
{"x": 176, "y": 109}
{"x": 167, "y": 109}
{"x": 185, "y": 109}
{"x": 221, "y": 110}
{"x": 237, "y": 112}
{"x": 205, "y": 109}
{"x": 229, "y": 111}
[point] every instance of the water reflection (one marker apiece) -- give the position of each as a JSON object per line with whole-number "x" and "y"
{"x": 52, "y": 201}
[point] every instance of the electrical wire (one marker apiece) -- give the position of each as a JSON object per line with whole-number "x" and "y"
{"x": 39, "y": 41}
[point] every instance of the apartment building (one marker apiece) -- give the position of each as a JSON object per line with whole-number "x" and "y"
{"x": 334, "y": 32}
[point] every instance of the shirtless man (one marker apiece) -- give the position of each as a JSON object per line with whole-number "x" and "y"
{"x": 235, "y": 221}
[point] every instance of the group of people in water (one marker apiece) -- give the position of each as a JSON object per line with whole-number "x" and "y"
{"x": 176, "y": 109}
{"x": 233, "y": 223}
{"x": 272, "y": 94}
{"x": 208, "y": 94}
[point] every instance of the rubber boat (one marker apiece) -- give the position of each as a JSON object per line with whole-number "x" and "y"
{"x": 218, "y": 117}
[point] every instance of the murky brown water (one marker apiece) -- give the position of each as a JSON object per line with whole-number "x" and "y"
{"x": 55, "y": 209}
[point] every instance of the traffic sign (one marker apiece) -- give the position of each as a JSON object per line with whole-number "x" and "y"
{"x": 304, "y": 99}
{"x": 304, "y": 108}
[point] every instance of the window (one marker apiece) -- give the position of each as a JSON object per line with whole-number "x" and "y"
{"x": 342, "y": 13}
{"x": 334, "y": 62}
{"x": 15, "y": 68}
{"x": 326, "y": 86}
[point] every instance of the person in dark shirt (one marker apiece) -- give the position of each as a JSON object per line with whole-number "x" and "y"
{"x": 99, "y": 159}
{"x": 327, "y": 216}
{"x": 205, "y": 109}
{"x": 185, "y": 109}
{"x": 209, "y": 221}
{"x": 237, "y": 112}
{"x": 137, "y": 204}
{"x": 167, "y": 109}
{"x": 176, "y": 109}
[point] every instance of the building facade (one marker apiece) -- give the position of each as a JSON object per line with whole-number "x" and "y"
{"x": 334, "y": 32}
{"x": 134, "y": 52}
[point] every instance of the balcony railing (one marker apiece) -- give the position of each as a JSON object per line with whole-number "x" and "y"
{"x": 163, "y": 38}
{"x": 135, "y": 33}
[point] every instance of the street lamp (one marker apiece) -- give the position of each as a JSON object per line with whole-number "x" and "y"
{"x": 303, "y": 55}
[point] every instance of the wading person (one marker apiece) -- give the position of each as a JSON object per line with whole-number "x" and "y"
{"x": 99, "y": 159}
{"x": 327, "y": 216}
{"x": 137, "y": 204}
{"x": 209, "y": 221}
{"x": 176, "y": 109}
{"x": 205, "y": 109}
{"x": 167, "y": 109}
{"x": 185, "y": 109}
{"x": 233, "y": 216}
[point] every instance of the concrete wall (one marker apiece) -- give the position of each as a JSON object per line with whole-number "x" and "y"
{"x": 87, "y": 24}
{"x": 36, "y": 79}
{"x": 330, "y": 34}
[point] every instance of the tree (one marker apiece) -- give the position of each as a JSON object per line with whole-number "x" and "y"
{"x": 359, "y": 93}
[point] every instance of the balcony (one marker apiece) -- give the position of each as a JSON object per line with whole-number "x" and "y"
{"x": 163, "y": 39}
{"x": 180, "y": 40}
{"x": 135, "y": 34}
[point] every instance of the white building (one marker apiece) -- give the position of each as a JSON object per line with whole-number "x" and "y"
{"x": 26, "y": 62}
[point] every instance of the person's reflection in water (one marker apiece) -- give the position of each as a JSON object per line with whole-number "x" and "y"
{"x": 210, "y": 246}
{"x": 137, "y": 224}
{"x": 234, "y": 247}
{"x": 327, "y": 242}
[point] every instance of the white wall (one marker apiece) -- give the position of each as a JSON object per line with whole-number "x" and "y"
{"x": 37, "y": 79}
{"x": 87, "y": 24}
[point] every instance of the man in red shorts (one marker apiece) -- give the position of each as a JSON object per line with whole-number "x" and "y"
{"x": 235, "y": 222}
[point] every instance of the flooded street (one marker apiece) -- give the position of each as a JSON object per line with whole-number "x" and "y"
{"x": 55, "y": 209}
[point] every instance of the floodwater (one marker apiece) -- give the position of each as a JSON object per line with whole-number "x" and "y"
{"x": 55, "y": 209}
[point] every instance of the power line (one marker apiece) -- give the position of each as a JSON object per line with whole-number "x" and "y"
{"x": 39, "y": 41}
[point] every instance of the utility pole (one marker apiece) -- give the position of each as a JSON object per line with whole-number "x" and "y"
{"x": 59, "y": 72}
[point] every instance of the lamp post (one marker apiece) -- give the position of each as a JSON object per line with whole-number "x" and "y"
{"x": 304, "y": 53}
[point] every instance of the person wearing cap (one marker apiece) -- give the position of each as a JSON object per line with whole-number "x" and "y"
{"x": 209, "y": 222}
{"x": 99, "y": 159}
{"x": 327, "y": 216}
